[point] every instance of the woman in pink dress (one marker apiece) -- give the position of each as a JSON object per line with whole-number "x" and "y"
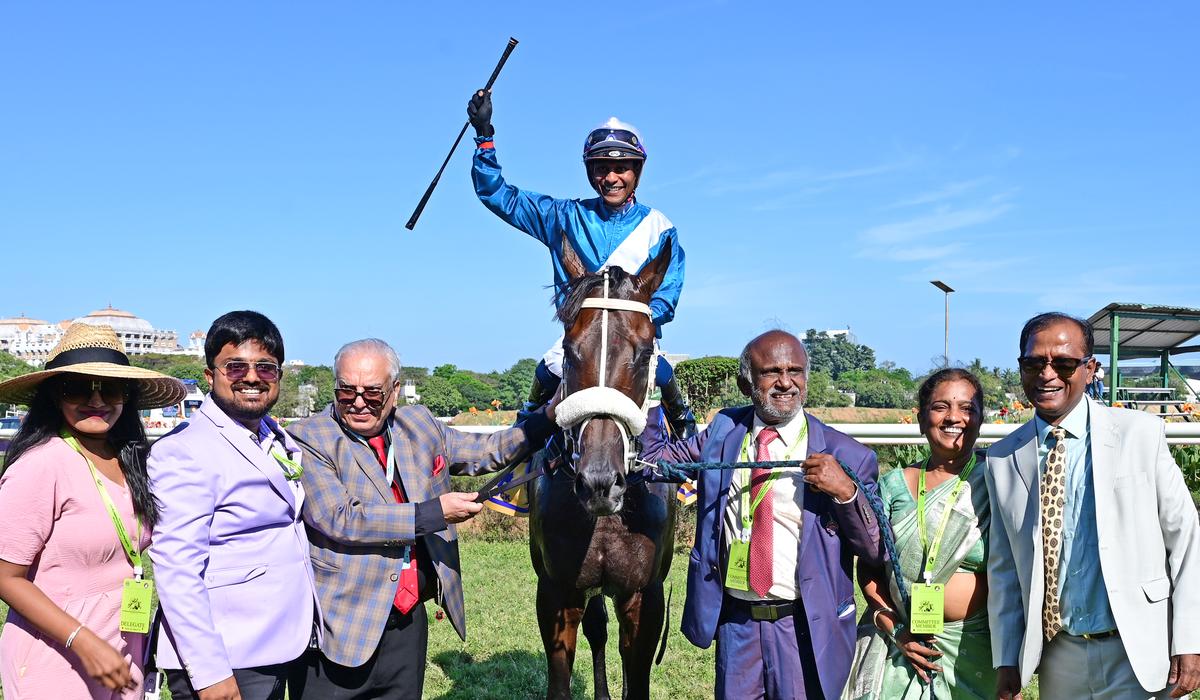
{"x": 76, "y": 468}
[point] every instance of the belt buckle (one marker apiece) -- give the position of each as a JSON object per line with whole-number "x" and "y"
{"x": 765, "y": 613}
{"x": 1099, "y": 635}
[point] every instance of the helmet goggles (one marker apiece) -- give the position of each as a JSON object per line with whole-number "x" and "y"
{"x": 613, "y": 144}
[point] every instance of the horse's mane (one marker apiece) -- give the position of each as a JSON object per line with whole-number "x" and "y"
{"x": 582, "y": 288}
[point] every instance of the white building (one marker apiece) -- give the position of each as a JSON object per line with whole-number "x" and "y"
{"x": 32, "y": 340}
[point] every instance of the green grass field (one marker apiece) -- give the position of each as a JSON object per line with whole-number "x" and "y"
{"x": 503, "y": 658}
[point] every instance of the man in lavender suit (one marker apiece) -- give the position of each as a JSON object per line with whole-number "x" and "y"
{"x": 230, "y": 552}
{"x": 769, "y": 577}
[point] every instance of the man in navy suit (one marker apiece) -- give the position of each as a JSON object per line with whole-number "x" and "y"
{"x": 770, "y": 574}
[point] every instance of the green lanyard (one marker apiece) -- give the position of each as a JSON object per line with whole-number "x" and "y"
{"x": 748, "y": 508}
{"x": 931, "y": 549}
{"x": 131, "y": 550}
{"x": 291, "y": 469}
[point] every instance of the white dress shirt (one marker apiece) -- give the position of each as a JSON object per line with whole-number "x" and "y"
{"x": 787, "y": 501}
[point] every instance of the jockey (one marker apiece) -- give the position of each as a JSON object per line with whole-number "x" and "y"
{"x": 613, "y": 229}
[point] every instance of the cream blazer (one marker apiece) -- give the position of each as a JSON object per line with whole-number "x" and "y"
{"x": 1149, "y": 538}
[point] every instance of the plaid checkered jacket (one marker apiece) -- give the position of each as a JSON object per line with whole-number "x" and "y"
{"x": 358, "y": 531}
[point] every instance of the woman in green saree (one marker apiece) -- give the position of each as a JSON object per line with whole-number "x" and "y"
{"x": 947, "y": 546}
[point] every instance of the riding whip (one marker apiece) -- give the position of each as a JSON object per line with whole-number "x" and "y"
{"x": 412, "y": 220}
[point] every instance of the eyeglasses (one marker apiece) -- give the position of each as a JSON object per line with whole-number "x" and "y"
{"x": 372, "y": 396}
{"x": 237, "y": 370}
{"x": 1063, "y": 366}
{"x": 112, "y": 391}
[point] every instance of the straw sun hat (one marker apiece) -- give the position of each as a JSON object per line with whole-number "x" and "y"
{"x": 95, "y": 351}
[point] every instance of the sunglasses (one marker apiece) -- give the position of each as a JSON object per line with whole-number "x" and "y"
{"x": 1063, "y": 366}
{"x": 372, "y": 396}
{"x": 112, "y": 391}
{"x": 237, "y": 370}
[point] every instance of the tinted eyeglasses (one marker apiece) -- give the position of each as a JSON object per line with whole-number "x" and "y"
{"x": 237, "y": 370}
{"x": 372, "y": 396}
{"x": 1063, "y": 366}
{"x": 112, "y": 391}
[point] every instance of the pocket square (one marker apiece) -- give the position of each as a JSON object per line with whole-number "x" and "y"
{"x": 439, "y": 465}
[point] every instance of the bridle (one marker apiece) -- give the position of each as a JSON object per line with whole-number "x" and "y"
{"x": 575, "y": 412}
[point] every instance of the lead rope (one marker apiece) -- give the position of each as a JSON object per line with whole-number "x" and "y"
{"x": 678, "y": 472}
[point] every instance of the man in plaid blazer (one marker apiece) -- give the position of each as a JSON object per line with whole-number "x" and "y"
{"x": 382, "y": 546}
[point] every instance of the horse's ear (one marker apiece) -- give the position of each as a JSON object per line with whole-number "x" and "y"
{"x": 653, "y": 272}
{"x": 570, "y": 261}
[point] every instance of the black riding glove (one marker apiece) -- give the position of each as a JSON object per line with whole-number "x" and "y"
{"x": 479, "y": 112}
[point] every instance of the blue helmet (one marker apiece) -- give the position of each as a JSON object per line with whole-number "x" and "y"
{"x": 614, "y": 140}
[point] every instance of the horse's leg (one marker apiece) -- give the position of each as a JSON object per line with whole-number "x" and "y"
{"x": 595, "y": 629}
{"x": 559, "y": 613}
{"x": 641, "y": 619}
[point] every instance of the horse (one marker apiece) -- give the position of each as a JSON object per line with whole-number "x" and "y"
{"x": 595, "y": 530}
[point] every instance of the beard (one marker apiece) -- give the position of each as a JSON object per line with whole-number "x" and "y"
{"x": 766, "y": 410}
{"x": 244, "y": 411}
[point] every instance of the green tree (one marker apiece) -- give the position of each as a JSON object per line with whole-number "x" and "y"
{"x": 178, "y": 366}
{"x": 474, "y": 391}
{"x": 822, "y": 392}
{"x": 513, "y": 383}
{"x": 989, "y": 379}
{"x": 836, "y": 355}
{"x": 439, "y": 395}
{"x": 414, "y": 373}
{"x": 10, "y": 367}
{"x": 707, "y": 381}
{"x": 880, "y": 387}
{"x": 445, "y": 371}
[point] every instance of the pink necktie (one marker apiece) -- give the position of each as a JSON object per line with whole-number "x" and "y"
{"x": 762, "y": 556}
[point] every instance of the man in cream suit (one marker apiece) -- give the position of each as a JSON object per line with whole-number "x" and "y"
{"x": 230, "y": 550}
{"x": 1094, "y": 564}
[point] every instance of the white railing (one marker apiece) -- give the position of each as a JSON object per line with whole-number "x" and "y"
{"x": 866, "y": 433}
{"x": 910, "y": 434}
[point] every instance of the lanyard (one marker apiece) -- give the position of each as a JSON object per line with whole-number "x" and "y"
{"x": 748, "y": 508}
{"x": 131, "y": 550}
{"x": 931, "y": 549}
{"x": 389, "y": 462}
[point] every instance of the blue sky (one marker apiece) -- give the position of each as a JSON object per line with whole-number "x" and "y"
{"x": 821, "y": 164}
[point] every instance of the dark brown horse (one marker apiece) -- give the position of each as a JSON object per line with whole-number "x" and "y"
{"x": 594, "y": 530}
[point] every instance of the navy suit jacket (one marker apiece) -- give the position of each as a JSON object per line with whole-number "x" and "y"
{"x": 832, "y": 534}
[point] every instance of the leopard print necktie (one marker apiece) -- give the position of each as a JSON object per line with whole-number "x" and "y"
{"x": 1053, "y": 497}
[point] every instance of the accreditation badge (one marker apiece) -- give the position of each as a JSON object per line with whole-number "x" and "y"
{"x": 737, "y": 573}
{"x": 928, "y": 614}
{"x": 136, "y": 598}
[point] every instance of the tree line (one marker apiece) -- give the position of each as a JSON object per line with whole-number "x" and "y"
{"x": 841, "y": 373}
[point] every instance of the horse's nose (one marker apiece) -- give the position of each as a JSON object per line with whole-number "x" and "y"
{"x": 601, "y": 492}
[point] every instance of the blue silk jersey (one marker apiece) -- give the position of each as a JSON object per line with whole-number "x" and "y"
{"x": 603, "y": 237}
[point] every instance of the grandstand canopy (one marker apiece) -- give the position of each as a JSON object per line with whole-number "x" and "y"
{"x": 1144, "y": 330}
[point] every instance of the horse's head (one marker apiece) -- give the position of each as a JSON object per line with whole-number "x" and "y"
{"x": 608, "y": 369}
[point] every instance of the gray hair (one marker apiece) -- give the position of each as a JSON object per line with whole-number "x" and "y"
{"x": 744, "y": 358}
{"x": 369, "y": 346}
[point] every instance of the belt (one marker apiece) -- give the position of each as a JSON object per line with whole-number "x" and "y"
{"x": 768, "y": 611}
{"x": 396, "y": 618}
{"x": 1097, "y": 635}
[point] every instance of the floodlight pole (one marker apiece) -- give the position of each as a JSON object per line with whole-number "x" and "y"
{"x": 947, "y": 289}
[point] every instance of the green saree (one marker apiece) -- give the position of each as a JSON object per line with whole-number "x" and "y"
{"x": 880, "y": 671}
